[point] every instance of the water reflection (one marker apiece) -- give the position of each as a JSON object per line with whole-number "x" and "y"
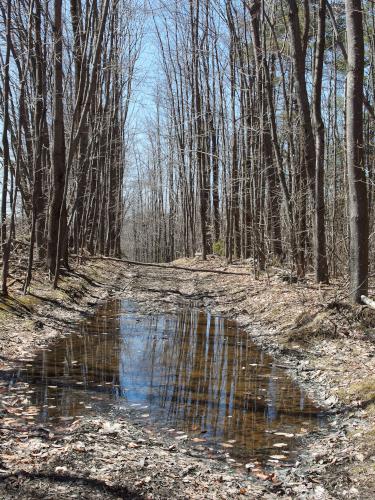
{"x": 190, "y": 371}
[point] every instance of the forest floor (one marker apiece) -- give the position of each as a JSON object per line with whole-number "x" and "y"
{"x": 326, "y": 345}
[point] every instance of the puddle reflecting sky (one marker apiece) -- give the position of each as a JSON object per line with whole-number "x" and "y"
{"x": 190, "y": 371}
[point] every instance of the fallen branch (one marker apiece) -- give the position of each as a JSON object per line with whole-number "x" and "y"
{"x": 368, "y": 302}
{"x": 162, "y": 266}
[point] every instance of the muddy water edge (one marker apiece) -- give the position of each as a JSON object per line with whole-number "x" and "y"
{"x": 167, "y": 291}
{"x": 194, "y": 375}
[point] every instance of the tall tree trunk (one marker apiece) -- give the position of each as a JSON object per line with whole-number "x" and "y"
{"x": 58, "y": 147}
{"x": 358, "y": 205}
{"x": 321, "y": 255}
{"x": 37, "y": 216}
{"x": 6, "y": 157}
{"x": 298, "y": 52}
{"x": 269, "y": 165}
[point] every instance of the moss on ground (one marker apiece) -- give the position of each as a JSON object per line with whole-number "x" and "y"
{"x": 363, "y": 390}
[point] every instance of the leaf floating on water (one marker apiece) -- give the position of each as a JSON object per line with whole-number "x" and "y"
{"x": 32, "y": 410}
{"x": 285, "y": 434}
{"x": 14, "y": 411}
{"x": 249, "y": 466}
{"x": 11, "y": 421}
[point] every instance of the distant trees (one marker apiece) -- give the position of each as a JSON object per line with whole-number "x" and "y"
{"x": 257, "y": 107}
{"x": 254, "y": 118}
{"x": 67, "y": 76}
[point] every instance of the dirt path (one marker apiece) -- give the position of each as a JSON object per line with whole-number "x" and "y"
{"x": 327, "y": 346}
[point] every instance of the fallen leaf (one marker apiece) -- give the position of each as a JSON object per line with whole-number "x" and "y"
{"x": 226, "y": 445}
{"x": 79, "y": 446}
{"x": 261, "y": 475}
{"x": 133, "y": 445}
{"x": 280, "y": 445}
{"x": 285, "y": 434}
{"x": 249, "y": 466}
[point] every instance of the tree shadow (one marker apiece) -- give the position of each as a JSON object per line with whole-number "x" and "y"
{"x": 53, "y": 302}
{"x": 98, "y": 486}
{"x": 84, "y": 277}
{"x": 14, "y": 306}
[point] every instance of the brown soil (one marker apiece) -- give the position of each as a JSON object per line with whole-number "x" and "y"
{"x": 327, "y": 345}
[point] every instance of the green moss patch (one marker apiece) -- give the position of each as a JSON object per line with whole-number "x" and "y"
{"x": 360, "y": 391}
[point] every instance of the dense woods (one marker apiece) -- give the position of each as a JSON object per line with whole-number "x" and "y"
{"x": 67, "y": 80}
{"x": 257, "y": 142}
{"x": 263, "y": 148}
{"x": 187, "y": 216}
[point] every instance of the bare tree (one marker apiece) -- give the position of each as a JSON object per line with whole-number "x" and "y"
{"x": 358, "y": 206}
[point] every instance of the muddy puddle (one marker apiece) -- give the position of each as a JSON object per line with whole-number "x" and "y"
{"x": 195, "y": 376}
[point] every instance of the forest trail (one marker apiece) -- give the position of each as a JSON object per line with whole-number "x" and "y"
{"x": 162, "y": 131}
{"x": 311, "y": 331}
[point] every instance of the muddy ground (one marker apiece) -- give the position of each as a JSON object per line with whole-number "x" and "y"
{"x": 325, "y": 344}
